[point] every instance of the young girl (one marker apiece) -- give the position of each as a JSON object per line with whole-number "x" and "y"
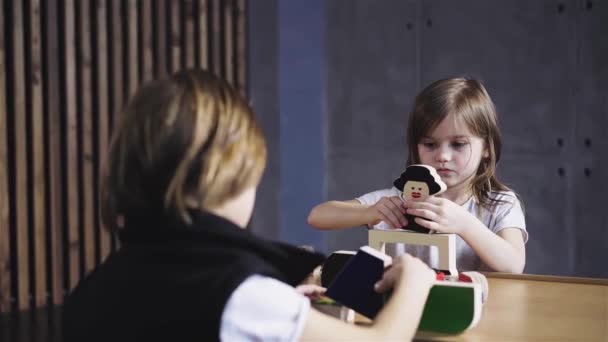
{"x": 183, "y": 168}
{"x": 452, "y": 127}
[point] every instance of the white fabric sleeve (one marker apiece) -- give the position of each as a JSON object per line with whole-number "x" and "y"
{"x": 373, "y": 197}
{"x": 510, "y": 215}
{"x": 264, "y": 309}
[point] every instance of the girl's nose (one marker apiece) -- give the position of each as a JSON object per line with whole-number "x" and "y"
{"x": 443, "y": 154}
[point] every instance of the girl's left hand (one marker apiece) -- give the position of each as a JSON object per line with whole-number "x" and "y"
{"x": 441, "y": 215}
{"x": 311, "y": 291}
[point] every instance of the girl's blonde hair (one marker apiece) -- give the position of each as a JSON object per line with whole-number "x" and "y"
{"x": 186, "y": 143}
{"x": 468, "y": 100}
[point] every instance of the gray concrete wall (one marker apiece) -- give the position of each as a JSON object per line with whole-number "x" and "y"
{"x": 543, "y": 62}
{"x": 371, "y": 72}
{"x": 589, "y": 168}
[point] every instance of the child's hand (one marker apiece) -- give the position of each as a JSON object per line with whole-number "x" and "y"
{"x": 311, "y": 291}
{"x": 440, "y": 214}
{"x": 390, "y": 210}
{"x": 409, "y": 270}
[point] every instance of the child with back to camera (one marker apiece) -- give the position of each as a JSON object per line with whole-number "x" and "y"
{"x": 453, "y": 128}
{"x": 185, "y": 161}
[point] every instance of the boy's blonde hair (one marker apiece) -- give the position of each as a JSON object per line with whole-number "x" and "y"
{"x": 469, "y": 101}
{"x": 190, "y": 142}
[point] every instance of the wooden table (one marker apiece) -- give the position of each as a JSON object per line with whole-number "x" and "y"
{"x": 533, "y": 308}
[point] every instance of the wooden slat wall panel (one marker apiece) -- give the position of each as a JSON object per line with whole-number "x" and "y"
{"x": 203, "y": 34}
{"x": 54, "y": 113}
{"x": 189, "y": 37}
{"x": 37, "y": 129}
{"x": 117, "y": 77}
{"x": 228, "y": 40}
{"x": 102, "y": 112}
{"x": 215, "y": 11}
{"x": 133, "y": 55}
{"x": 21, "y": 223}
{"x": 71, "y": 145}
{"x": 160, "y": 34}
{"x": 85, "y": 159}
{"x": 174, "y": 36}
{"x": 148, "y": 62}
{"x": 67, "y": 68}
{"x": 241, "y": 46}
{"x": 5, "y": 253}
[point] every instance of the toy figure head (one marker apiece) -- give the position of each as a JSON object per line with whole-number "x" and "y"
{"x": 418, "y": 182}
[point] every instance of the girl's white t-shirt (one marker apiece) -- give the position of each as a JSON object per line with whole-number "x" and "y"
{"x": 507, "y": 214}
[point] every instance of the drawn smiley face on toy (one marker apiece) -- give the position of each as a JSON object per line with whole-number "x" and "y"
{"x": 415, "y": 191}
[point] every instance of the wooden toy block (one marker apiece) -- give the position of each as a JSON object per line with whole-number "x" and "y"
{"x": 446, "y": 244}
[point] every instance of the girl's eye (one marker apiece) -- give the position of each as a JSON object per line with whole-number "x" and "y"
{"x": 459, "y": 144}
{"x": 428, "y": 144}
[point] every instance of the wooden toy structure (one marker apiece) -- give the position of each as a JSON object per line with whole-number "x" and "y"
{"x": 455, "y": 301}
{"x": 446, "y": 244}
{"x": 456, "y": 305}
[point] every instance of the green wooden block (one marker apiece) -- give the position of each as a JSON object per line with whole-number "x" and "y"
{"x": 451, "y": 308}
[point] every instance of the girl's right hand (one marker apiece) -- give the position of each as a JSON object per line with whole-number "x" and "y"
{"x": 409, "y": 270}
{"x": 390, "y": 210}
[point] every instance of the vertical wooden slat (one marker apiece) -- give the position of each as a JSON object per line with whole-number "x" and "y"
{"x": 5, "y": 270}
{"x": 132, "y": 52}
{"x": 70, "y": 93}
{"x": 117, "y": 62}
{"x": 116, "y": 73}
{"x": 241, "y": 46}
{"x": 203, "y": 36}
{"x": 160, "y": 23}
{"x": 36, "y": 79}
{"x": 133, "y": 78}
{"x": 146, "y": 17}
{"x": 174, "y": 37}
{"x": 21, "y": 202}
{"x": 216, "y": 37}
{"x": 189, "y": 32}
{"x": 229, "y": 42}
{"x": 103, "y": 109}
{"x": 86, "y": 117}
{"x": 52, "y": 97}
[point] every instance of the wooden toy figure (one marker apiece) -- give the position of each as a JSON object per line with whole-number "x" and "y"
{"x": 418, "y": 182}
